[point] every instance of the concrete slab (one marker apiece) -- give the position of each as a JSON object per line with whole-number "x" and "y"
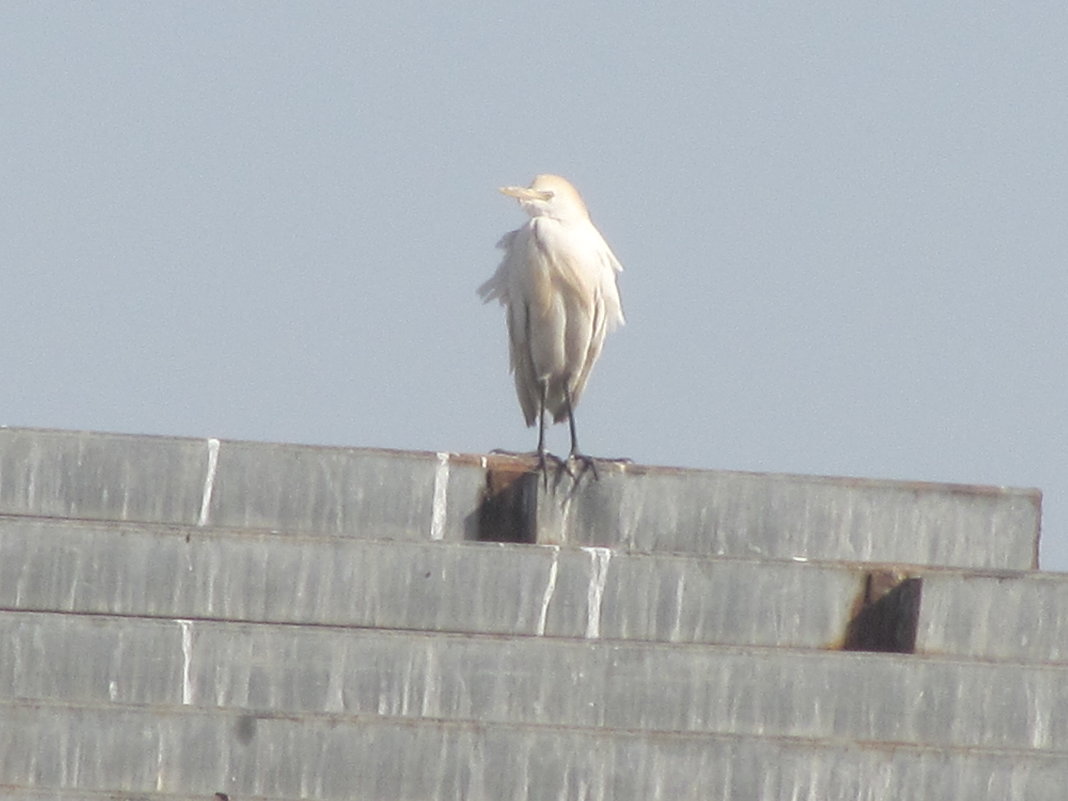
{"x": 995, "y": 615}
{"x": 129, "y": 569}
{"x": 326, "y": 757}
{"x": 296, "y": 670}
{"x": 101, "y": 476}
{"x": 418, "y": 496}
{"x": 135, "y": 569}
{"x": 356, "y": 492}
{"x": 208, "y": 482}
{"x": 721, "y": 513}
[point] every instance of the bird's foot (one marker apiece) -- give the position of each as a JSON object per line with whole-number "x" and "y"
{"x": 586, "y": 462}
{"x": 575, "y": 466}
{"x": 544, "y": 458}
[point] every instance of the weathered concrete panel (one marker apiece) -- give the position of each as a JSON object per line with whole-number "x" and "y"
{"x": 723, "y": 513}
{"x": 79, "y": 658}
{"x": 346, "y": 491}
{"x": 208, "y": 482}
{"x": 1002, "y": 615}
{"x": 407, "y": 495}
{"x": 101, "y": 476}
{"x": 631, "y": 686}
{"x": 480, "y": 587}
{"x": 55, "y": 565}
{"x": 328, "y": 757}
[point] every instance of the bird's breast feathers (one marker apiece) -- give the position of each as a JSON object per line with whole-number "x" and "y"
{"x": 576, "y": 259}
{"x": 547, "y": 262}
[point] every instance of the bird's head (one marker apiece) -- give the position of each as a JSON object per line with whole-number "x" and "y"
{"x": 549, "y": 196}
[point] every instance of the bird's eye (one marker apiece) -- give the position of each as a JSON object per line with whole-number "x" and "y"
{"x": 549, "y": 194}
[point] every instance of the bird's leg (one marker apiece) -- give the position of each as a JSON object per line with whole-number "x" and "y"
{"x": 542, "y": 464}
{"x": 587, "y": 461}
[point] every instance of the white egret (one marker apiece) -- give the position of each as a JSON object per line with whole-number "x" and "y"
{"x": 558, "y": 282}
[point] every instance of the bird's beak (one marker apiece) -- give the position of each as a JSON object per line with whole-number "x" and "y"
{"x": 526, "y": 193}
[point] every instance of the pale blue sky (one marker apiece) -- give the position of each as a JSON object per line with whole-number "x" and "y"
{"x": 843, "y": 226}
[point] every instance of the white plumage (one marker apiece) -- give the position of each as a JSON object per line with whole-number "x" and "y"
{"x": 558, "y": 282}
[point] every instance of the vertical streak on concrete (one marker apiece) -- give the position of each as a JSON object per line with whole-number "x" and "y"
{"x": 676, "y": 628}
{"x": 441, "y": 492}
{"x": 187, "y": 660}
{"x": 595, "y": 593}
{"x": 335, "y": 697}
{"x": 1039, "y": 720}
{"x": 431, "y": 704}
{"x": 159, "y": 764}
{"x": 550, "y": 588}
{"x": 209, "y": 481}
{"x": 33, "y": 462}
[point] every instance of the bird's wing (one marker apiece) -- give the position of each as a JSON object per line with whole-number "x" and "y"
{"x": 516, "y": 289}
{"x": 496, "y": 287}
{"x": 606, "y": 314}
{"x": 583, "y": 272}
{"x": 527, "y": 386}
{"x": 505, "y": 242}
{"x": 598, "y": 329}
{"x": 610, "y": 289}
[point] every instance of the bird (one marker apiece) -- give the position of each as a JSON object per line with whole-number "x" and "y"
{"x": 558, "y": 282}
